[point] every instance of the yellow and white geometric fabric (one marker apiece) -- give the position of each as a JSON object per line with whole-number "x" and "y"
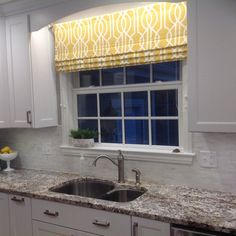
{"x": 152, "y": 33}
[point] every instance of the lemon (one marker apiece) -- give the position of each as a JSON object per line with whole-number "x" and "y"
{"x": 6, "y": 150}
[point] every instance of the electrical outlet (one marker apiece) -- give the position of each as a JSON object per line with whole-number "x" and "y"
{"x": 208, "y": 159}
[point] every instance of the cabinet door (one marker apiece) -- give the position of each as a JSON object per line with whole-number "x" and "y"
{"x": 4, "y": 87}
{"x": 4, "y": 215}
{"x": 44, "y": 229}
{"x": 17, "y": 36}
{"x": 211, "y": 65}
{"x": 143, "y": 227}
{"x": 20, "y": 216}
{"x": 43, "y": 79}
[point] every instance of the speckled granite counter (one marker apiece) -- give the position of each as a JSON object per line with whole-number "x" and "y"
{"x": 174, "y": 204}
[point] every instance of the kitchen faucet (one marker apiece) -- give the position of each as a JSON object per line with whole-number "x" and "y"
{"x": 119, "y": 164}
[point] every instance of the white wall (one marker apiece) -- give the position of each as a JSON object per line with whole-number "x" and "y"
{"x": 39, "y": 149}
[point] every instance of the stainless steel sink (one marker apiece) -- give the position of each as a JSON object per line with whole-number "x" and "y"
{"x": 86, "y": 188}
{"x": 123, "y": 195}
{"x": 99, "y": 189}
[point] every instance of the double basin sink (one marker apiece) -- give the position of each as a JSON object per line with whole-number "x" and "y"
{"x": 100, "y": 189}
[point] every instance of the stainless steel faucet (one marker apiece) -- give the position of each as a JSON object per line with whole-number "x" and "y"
{"x": 119, "y": 164}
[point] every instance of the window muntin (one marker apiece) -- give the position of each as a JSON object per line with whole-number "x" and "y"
{"x": 140, "y": 114}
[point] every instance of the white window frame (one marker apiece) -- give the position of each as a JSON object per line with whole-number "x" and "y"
{"x": 132, "y": 152}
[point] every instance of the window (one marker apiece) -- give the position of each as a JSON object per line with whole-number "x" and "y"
{"x": 135, "y": 105}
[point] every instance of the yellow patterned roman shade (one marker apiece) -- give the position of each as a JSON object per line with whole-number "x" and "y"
{"x": 152, "y": 33}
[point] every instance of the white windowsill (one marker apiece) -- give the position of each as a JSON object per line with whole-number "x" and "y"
{"x": 132, "y": 154}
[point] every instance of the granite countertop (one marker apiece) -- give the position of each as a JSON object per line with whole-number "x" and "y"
{"x": 181, "y": 205}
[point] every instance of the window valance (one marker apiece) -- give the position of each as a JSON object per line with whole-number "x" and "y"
{"x": 152, "y": 33}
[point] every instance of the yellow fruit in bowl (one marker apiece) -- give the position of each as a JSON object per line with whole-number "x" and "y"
{"x": 6, "y": 150}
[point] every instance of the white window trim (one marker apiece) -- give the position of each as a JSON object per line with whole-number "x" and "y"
{"x": 132, "y": 152}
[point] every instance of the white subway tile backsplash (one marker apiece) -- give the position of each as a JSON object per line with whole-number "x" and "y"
{"x": 39, "y": 149}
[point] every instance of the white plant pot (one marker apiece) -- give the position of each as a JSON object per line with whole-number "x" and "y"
{"x": 85, "y": 143}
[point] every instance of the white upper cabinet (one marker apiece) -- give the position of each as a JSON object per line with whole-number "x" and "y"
{"x": 17, "y": 35}
{"x": 43, "y": 78}
{"x": 4, "y": 95}
{"x": 32, "y": 86}
{"x": 211, "y": 64}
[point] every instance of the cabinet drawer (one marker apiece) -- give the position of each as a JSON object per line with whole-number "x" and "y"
{"x": 44, "y": 229}
{"x": 145, "y": 227}
{"x": 81, "y": 218}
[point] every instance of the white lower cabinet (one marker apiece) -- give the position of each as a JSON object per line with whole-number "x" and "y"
{"x": 20, "y": 216}
{"x": 143, "y": 227}
{"x": 4, "y": 215}
{"x": 44, "y": 229}
{"x": 94, "y": 222}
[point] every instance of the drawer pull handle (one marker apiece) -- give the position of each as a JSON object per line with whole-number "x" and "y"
{"x": 135, "y": 229}
{"x": 48, "y": 213}
{"x": 101, "y": 223}
{"x": 29, "y": 118}
{"x": 15, "y": 199}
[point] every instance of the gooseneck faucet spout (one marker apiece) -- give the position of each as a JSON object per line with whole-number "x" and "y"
{"x": 119, "y": 164}
{"x": 103, "y": 156}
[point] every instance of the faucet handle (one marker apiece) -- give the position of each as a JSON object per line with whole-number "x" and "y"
{"x": 137, "y": 176}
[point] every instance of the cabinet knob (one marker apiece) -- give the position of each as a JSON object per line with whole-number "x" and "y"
{"x": 15, "y": 199}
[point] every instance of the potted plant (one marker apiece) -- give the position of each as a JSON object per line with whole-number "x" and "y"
{"x": 83, "y": 137}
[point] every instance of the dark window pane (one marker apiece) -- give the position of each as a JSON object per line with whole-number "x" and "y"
{"x": 136, "y": 103}
{"x": 136, "y": 131}
{"x": 111, "y": 131}
{"x": 138, "y": 74}
{"x": 88, "y": 124}
{"x": 165, "y": 132}
{"x": 110, "y": 104}
{"x": 89, "y": 78}
{"x": 166, "y": 71}
{"x": 87, "y": 105}
{"x": 164, "y": 103}
{"x": 113, "y": 76}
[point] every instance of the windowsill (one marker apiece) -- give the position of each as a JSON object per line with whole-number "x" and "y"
{"x": 132, "y": 154}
